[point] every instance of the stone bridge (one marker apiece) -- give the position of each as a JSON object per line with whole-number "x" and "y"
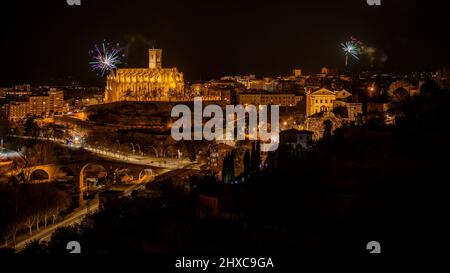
{"x": 52, "y": 172}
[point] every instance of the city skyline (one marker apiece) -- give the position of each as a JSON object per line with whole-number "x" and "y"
{"x": 266, "y": 39}
{"x": 189, "y": 131}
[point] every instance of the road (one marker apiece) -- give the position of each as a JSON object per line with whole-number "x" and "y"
{"x": 73, "y": 218}
{"x": 79, "y": 214}
{"x": 176, "y": 166}
{"x": 168, "y": 163}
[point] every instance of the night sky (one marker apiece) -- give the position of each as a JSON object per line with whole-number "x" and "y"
{"x": 45, "y": 41}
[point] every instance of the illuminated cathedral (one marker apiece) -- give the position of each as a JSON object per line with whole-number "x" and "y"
{"x": 145, "y": 84}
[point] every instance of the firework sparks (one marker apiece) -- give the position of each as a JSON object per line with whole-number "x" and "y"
{"x": 350, "y": 49}
{"x": 105, "y": 58}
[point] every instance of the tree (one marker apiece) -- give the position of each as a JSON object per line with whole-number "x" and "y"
{"x": 63, "y": 235}
{"x": 341, "y": 111}
{"x": 192, "y": 151}
{"x": 54, "y": 201}
{"x": 12, "y": 206}
{"x": 34, "y": 248}
{"x": 228, "y": 168}
{"x": 327, "y": 128}
{"x": 29, "y": 222}
{"x": 62, "y": 202}
{"x": 247, "y": 163}
{"x": 256, "y": 156}
{"x": 25, "y": 205}
{"x": 400, "y": 95}
{"x": 429, "y": 88}
{"x": 12, "y": 227}
{"x": 21, "y": 172}
{"x": 4, "y": 127}
{"x": 31, "y": 127}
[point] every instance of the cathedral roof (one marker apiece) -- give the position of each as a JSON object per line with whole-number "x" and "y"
{"x": 323, "y": 91}
{"x": 146, "y": 72}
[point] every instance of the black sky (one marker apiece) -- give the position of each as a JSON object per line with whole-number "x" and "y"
{"x": 43, "y": 41}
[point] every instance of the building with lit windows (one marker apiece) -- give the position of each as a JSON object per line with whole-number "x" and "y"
{"x": 18, "y": 110}
{"x": 55, "y": 101}
{"x": 319, "y": 101}
{"x": 324, "y": 100}
{"x": 38, "y": 105}
{"x": 265, "y": 98}
{"x": 145, "y": 84}
{"x": 216, "y": 156}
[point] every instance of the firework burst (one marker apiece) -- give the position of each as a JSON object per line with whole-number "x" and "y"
{"x": 352, "y": 49}
{"x": 105, "y": 58}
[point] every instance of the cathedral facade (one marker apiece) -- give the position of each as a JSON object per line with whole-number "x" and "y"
{"x": 145, "y": 84}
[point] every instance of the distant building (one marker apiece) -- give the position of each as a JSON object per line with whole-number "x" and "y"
{"x": 354, "y": 109}
{"x": 297, "y": 140}
{"x": 23, "y": 87}
{"x": 18, "y": 110}
{"x": 39, "y": 105}
{"x": 56, "y": 101}
{"x": 261, "y": 98}
{"x": 290, "y": 85}
{"x": 327, "y": 71}
{"x": 217, "y": 154}
{"x": 224, "y": 89}
{"x": 145, "y": 84}
{"x": 19, "y": 92}
{"x": 263, "y": 84}
{"x": 378, "y": 107}
{"x": 342, "y": 94}
{"x": 202, "y": 90}
{"x": 443, "y": 78}
{"x": 319, "y": 101}
{"x": 324, "y": 100}
{"x": 96, "y": 99}
{"x": 413, "y": 90}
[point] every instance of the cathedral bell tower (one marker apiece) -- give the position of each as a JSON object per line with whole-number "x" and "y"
{"x": 155, "y": 58}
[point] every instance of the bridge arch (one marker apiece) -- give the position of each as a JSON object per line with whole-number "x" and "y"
{"x": 82, "y": 174}
{"x": 170, "y": 151}
{"x": 152, "y": 150}
{"x": 146, "y": 172}
{"x": 40, "y": 175}
{"x": 65, "y": 171}
{"x": 124, "y": 173}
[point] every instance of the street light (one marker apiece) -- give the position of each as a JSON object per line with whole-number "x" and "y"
{"x": 139, "y": 147}
{"x": 118, "y": 142}
{"x": 154, "y": 150}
